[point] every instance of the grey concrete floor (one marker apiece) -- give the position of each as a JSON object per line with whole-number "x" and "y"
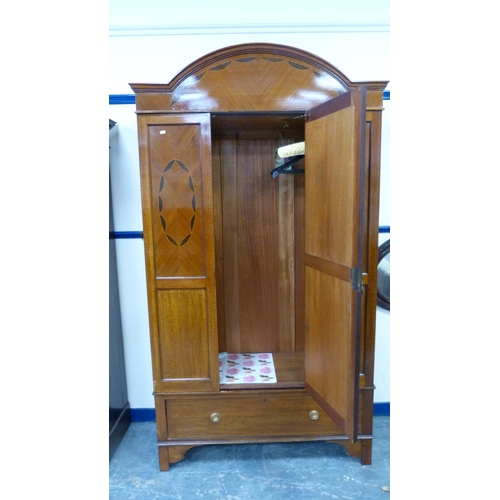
{"x": 276, "y": 471}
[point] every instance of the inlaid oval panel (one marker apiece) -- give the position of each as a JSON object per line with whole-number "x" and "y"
{"x": 177, "y": 203}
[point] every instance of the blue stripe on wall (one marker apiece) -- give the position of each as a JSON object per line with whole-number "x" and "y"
{"x": 142, "y": 414}
{"x": 381, "y": 409}
{"x": 130, "y": 98}
{"x": 125, "y": 235}
{"x": 131, "y": 235}
{"x": 122, "y": 99}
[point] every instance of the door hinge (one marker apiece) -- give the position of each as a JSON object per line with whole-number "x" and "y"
{"x": 356, "y": 279}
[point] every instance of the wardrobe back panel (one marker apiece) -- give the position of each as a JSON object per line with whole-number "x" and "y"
{"x": 299, "y": 229}
{"x": 256, "y": 257}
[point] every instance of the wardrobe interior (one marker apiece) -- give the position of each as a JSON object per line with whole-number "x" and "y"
{"x": 259, "y": 241}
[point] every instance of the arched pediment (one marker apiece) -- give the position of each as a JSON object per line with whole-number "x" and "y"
{"x": 248, "y": 77}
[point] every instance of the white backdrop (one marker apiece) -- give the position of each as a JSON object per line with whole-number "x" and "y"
{"x": 150, "y": 42}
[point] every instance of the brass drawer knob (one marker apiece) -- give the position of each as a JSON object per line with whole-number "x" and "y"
{"x": 215, "y": 417}
{"x": 313, "y": 415}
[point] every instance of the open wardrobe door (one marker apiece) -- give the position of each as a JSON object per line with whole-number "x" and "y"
{"x": 335, "y": 164}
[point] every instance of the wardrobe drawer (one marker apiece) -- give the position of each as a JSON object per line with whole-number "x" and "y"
{"x": 247, "y": 416}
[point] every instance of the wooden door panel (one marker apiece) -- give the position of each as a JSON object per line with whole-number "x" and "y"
{"x": 176, "y": 195}
{"x": 335, "y": 161}
{"x": 332, "y": 189}
{"x": 328, "y": 353}
{"x": 184, "y": 338}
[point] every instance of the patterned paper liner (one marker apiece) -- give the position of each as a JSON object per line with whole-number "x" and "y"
{"x": 247, "y": 368}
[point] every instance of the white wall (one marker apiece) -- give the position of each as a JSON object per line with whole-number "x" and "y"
{"x": 150, "y": 42}
{"x": 382, "y": 339}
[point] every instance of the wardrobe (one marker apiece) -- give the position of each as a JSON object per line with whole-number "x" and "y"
{"x": 245, "y": 264}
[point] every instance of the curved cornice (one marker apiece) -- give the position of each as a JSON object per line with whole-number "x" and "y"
{"x": 252, "y": 76}
{"x": 252, "y": 28}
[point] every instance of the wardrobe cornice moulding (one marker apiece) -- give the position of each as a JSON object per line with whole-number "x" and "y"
{"x": 253, "y": 28}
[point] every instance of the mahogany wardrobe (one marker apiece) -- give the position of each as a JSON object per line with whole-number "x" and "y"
{"x": 246, "y": 265}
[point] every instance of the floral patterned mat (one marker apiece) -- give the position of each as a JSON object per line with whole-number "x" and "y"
{"x": 247, "y": 368}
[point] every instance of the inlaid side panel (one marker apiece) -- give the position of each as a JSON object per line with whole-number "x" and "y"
{"x": 178, "y": 218}
{"x": 177, "y": 199}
